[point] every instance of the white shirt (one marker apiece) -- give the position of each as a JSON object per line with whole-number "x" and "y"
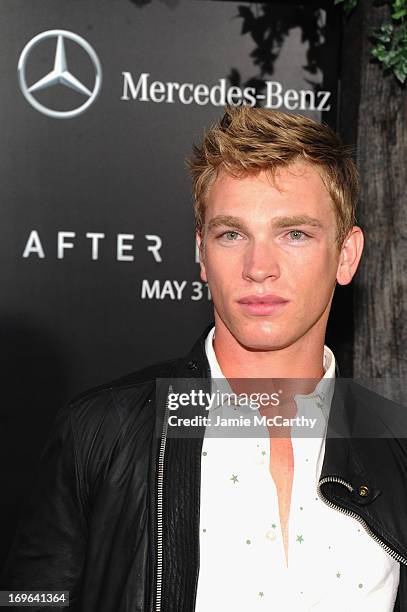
{"x": 333, "y": 564}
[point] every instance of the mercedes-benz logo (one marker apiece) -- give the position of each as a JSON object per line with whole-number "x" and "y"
{"x": 60, "y": 73}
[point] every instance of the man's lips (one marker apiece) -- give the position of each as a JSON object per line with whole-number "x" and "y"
{"x": 262, "y": 305}
{"x": 269, "y": 298}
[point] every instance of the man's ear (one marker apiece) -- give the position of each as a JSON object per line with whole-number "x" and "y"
{"x": 201, "y": 251}
{"x": 350, "y": 255}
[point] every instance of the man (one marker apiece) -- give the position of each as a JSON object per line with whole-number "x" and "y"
{"x": 131, "y": 513}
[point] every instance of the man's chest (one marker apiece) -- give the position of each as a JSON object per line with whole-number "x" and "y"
{"x": 330, "y": 556}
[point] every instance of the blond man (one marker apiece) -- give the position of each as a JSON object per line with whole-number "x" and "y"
{"x": 129, "y": 515}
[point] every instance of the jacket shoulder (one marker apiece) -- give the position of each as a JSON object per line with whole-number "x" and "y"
{"x": 102, "y": 413}
{"x": 146, "y": 375}
{"x": 378, "y": 415}
{"x": 105, "y": 418}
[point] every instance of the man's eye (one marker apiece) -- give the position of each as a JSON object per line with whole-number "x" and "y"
{"x": 297, "y": 235}
{"x": 230, "y": 235}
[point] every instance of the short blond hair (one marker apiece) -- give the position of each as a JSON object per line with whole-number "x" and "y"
{"x": 248, "y": 140}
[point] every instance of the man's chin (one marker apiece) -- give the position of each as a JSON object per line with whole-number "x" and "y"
{"x": 260, "y": 345}
{"x": 267, "y": 338}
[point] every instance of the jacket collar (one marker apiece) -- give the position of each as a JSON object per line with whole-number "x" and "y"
{"x": 195, "y": 363}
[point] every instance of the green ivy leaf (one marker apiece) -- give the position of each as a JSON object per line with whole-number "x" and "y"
{"x": 379, "y": 52}
{"x": 348, "y": 5}
{"x": 401, "y": 72}
{"x": 400, "y": 14}
{"x": 390, "y": 39}
{"x": 399, "y": 5}
{"x": 384, "y": 33}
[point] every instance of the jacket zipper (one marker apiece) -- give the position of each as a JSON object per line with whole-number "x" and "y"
{"x": 356, "y": 516}
{"x": 209, "y": 377}
{"x": 160, "y": 481}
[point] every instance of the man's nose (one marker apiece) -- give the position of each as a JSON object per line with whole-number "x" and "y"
{"x": 261, "y": 262}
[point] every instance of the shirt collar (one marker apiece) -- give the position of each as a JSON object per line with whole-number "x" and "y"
{"x": 323, "y": 391}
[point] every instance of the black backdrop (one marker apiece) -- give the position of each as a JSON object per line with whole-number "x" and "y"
{"x": 69, "y": 321}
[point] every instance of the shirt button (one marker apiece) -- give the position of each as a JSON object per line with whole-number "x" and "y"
{"x": 363, "y": 491}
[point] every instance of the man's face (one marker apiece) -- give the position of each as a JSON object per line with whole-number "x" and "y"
{"x": 269, "y": 241}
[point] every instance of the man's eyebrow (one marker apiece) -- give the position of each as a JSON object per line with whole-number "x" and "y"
{"x": 278, "y": 222}
{"x": 281, "y": 222}
{"x": 227, "y": 220}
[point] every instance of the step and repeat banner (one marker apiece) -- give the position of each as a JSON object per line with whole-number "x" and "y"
{"x": 100, "y": 104}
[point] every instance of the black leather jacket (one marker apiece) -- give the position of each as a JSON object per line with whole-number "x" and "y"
{"x": 114, "y": 515}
